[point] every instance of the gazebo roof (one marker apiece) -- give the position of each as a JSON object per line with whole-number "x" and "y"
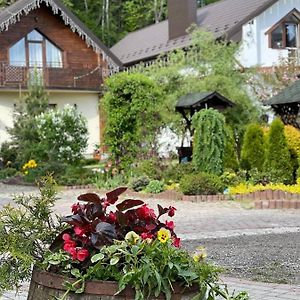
{"x": 289, "y": 95}
{"x": 194, "y": 100}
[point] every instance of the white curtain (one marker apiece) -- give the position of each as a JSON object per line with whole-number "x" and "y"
{"x": 35, "y": 55}
{"x": 53, "y": 56}
{"x": 17, "y": 56}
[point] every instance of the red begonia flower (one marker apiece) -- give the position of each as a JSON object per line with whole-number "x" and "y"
{"x": 112, "y": 217}
{"x": 176, "y": 242}
{"x": 66, "y": 237}
{"x": 146, "y": 213}
{"x": 82, "y": 254}
{"x": 171, "y": 212}
{"x": 79, "y": 231}
{"x": 170, "y": 225}
{"x": 147, "y": 235}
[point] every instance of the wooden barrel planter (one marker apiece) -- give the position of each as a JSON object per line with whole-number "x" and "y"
{"x": 46, "y": 286}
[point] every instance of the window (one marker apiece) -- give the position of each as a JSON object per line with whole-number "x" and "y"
{"x": 285, "y": 33}
{"x": 35, "y": 51}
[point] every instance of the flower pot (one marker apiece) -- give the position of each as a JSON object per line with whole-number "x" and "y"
{"x": 45, "y": 285}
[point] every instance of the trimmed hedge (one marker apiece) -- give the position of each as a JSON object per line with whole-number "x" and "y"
{"x": 201, "y": 184}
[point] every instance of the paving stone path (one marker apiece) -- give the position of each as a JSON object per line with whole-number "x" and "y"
{"x": 205, "y": 220}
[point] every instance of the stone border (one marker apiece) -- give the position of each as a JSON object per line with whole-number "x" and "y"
{"x": 277, "y": 204}
{"x": 262, "y": 199}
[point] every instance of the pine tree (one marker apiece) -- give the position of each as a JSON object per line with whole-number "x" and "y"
{"x": 253, "y": 149}
{"x": 209, "y": 141}
{"x": 24, "y": 132}
{"x": 278, "y": 159}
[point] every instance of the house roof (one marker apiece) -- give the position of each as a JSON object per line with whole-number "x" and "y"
{"x": 224, "y": 19}
{"x": 13, "y": 13}
{"x": 290, "y": 94}
{"x": 194, "y": 100}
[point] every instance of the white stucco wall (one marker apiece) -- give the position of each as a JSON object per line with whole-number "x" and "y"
{"x": 86, "y": 102}
{"x": 255, "y": 49}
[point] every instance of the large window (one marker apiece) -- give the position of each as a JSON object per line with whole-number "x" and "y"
{"x": 285, "y": 33}
{"x": 35, "y": 50}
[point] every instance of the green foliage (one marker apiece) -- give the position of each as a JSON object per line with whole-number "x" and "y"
{"x": 209, "y": 141}
{"x": 230, "y": 155}
{"x": 108, "y": 181}
{"x": 26, "y": 231}
{"x": 76, "y": 175}
{"x": 7, "y": 172}
{"x": 8, "y": 154}
{"x": 201, "y": 184}
{"x": 253, "y": 149}
{"x": 232, "y": 179}
{"x": 151, "y": 269}
{"x": 278, "y": 158}
{"x": 24, "y": 133}
{"x": 139, "y": 183}
{"x": 153, "y": 168}
{"x": 155, "y": 187}
{"x": 175, "y": 172}
{"x": 63, "y": 134}
{"x": 133, "y": 120}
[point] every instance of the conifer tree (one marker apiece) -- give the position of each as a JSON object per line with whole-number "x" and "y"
{"x": 278, "y": 159}
{"x": 230, "y": 156}
{"x": 24, "y": 131}
{"x": 209, "y": 141}
{"x": 253, "y": 149}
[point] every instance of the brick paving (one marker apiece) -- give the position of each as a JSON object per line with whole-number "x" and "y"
{"x": 205, "y": 220}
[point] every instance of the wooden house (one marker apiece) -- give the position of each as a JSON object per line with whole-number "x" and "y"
{"x": 43, "y": 37}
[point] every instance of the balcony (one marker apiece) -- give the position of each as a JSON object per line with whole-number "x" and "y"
{"x": 60, "y": 78}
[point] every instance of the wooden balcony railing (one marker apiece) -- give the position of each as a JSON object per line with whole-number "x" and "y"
{"x": 77, "y": 78}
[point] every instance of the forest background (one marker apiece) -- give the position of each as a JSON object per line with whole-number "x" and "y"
{"x": 111, "y": 20}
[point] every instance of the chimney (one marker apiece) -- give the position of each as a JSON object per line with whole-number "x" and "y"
{"x": 182, "y": 14}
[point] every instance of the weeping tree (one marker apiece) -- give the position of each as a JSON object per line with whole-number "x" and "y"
{"x": 210, "y": 140}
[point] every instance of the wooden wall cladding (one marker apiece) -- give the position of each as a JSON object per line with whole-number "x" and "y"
{"x": 78, "y": 58}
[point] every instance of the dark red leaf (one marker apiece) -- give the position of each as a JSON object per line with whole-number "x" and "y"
{"x": 161, "y": 210}
{"x": 90, "y": 197}
{"x": 129, "y": 203}
{"x": 112, "y": 196}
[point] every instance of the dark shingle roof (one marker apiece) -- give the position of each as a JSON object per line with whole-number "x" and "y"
{"x": 12, "y": 14}
{"x": 223, "y": 18}
{"x": 290, "y": 94}
{"x": 194, "y": 100}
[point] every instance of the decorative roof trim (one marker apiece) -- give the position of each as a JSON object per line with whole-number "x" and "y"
{"x": 68, "y": 18}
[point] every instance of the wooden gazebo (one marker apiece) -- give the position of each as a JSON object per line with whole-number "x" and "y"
{"x": 189, "y": 104}
{"x": 286, "y": 104}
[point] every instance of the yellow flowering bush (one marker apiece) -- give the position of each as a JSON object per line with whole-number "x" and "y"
{"x": 245, "y": 188}
{"x": 31, "y": 164}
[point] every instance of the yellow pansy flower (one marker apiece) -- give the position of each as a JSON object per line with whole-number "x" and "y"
{"x": 163, "y": 235}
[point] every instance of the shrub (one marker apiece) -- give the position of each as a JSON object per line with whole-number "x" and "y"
{"x": 151, "y": 168}
{"x": 278, "y": 158}
{"x": 155, "y": 187}
{"x": 209, "y": 141}
{"x": 138, "y": 184}
{"x": 8, "y": 154}
{"x": 63, "y": 134}
{"x": 231, "y": 179}
{"x": 175, "y": 172}
{"x": 7, "y": 172}
{"x": 253, "y": 149}
{"x": 292, "y": 135}
{"x": 133, "y": 117}
{"x": 201, "y": 184}
{"x": 76, "y": 175}
{"x": 108, "y": 181}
